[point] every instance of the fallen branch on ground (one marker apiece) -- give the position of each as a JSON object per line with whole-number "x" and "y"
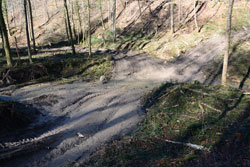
{"x": 194, "y": 146}
{"x": 212, "y": 108}
{"x": 196, "y": 91}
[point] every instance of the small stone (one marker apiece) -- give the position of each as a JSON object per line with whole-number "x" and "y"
{"x": 80, "y": 135}
{"x": 102, "y": 79}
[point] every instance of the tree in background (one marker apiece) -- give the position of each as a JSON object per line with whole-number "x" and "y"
{"x": 172, "y": 16}
{"x": 72, "y": 19}
{"x": 102, "y": 20}
{"x": 79, "y": 20}
{"x": 89, "y": 29}
{"x": 66, "y": 26}
{"x": 31, "y": 25}
{"x": 195, "y": 15}
{"x": 83, "y": 21}
{"x": 5, "y": 38}
{"x": 114, "y": 20}
{"x": 228, "y": 37}
{"x": 69, "y": 27}
{"x": 5, "y": 15}
{"x": 46, "y": 9}
{"x": 27, "y": 30}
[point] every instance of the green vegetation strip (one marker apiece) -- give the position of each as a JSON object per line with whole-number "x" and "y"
{"x": 57, "y": 68}
{"x": 214, "y": 117}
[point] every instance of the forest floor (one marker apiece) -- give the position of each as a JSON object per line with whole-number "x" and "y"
{"x": 77, "y": 118}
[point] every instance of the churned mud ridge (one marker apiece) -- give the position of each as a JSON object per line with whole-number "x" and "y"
{"x": 100, "y": 112}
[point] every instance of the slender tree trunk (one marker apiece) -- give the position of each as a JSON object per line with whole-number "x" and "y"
{"x": 5, "y": 39}
{"x": 27, "y": 31}
{"x": 172, "y": 16}
{"x": 89, "y": 29}
{"x": 46, "y": 9}
{"x": 100, "y": 8}
{"x": 114, "y": 21}
{"x": 149, "y": 8}
{"x": 73, "y": 21}
{"x": 28, "y": 17}
{"x": 180, "y": 11}
{"x": 195, "y": 16}
{"x": 12, "y": 13}
{"x": 69, "y": 27}
{"x": 103, "y": 25}
{"x": 109, "y": 10}
{"x": 139, "y": 6}
{"x": 79, "y": 20}
{"x": 83, "y": 20}
{"x": 5, "y": 15}
{"x": 32, "y": 26}
{"x": 3, "y": 52}
{"x": 228, "y": 37}
{"x": 66, "y": 26}
{"x": 17, "y": 51}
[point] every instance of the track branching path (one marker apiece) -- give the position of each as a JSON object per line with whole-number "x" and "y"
{"x": 78, "y": 118}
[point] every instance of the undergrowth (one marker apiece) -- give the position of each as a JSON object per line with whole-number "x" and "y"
{"x": 56, "y": 68}
{"x": 214, "y": 117}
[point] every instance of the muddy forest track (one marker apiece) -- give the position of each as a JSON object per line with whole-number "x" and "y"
{"x": 100, "y": 112}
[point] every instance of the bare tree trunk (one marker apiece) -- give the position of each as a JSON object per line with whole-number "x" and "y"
{"x": 32, "y": 26}
{"x": 46, "y": 9}
{"x": 109, "y": 10}
{"x": 89, "y": 29}
{"x": 195, "y": 15}
{"x": 172, "y": 16}
{"x": 79, "y": 20}
{"x": 73, "y": 21}
{"x": 27, "y": 31}
{"x": 5, "y": 15}
{"x": 83, "y": 20}
{"x": 3, "y": 52}
{"x": 103, "y": 25}
{"x": 5, "y": 38}
{"x": 180, "y": 11}
{"x": 66, "y": 26}
{"x": 100, "y": 8}
{"x": 69, "y": 27}
{"x": 149, "y": 8}
{"x": 114, "y": 21}
{"x": 12, "y": 13}
{"x": 228, "y": 37}
{"x": 139, "y": 6}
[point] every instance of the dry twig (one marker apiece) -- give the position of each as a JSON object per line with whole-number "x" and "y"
{"x": 194, "y": 146}
{"x": 212, "y": 108}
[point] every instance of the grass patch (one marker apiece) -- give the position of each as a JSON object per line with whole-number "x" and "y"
{"x": 211, "y": 116}
{"x": 62, "y": 66}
